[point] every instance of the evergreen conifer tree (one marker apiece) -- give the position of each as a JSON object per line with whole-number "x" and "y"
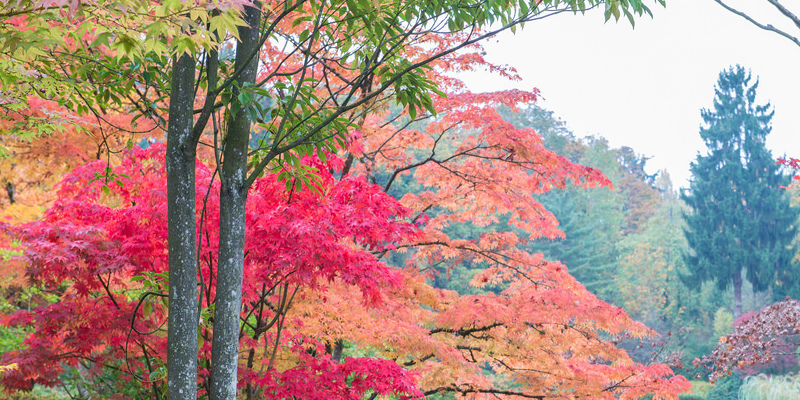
{"x": 590, "y": 219}
{"x": 740, "y": 220}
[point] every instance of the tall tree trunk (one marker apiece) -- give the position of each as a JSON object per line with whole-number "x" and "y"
{"x": 180, "y": 163}
{"x": 337, "y": 350}
{"x": 233, "y": 196}
{"x": 737, "y": 294}
{"x": 10, "y": 190}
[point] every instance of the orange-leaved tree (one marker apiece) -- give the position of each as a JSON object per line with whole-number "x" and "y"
{"x": 32, "y": 166}
{"x": 537, "y": 332}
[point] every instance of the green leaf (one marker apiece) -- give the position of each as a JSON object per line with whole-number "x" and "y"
{"x": 352, "y": 6}
{"x": 157, "y": 374}
{"x": 102, "y": 39}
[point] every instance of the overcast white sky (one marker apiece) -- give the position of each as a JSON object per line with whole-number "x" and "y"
{"x": 644, "y": 87}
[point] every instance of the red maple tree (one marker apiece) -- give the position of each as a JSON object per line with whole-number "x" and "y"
{"x": 104, "y": 251}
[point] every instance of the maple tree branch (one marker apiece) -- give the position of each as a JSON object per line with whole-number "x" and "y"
{"x": 212, "y": 71}
{"x": 277, "y": 340}
{"x": 417, "y": 361}
{"x": 142, "y": 298}
{"x": 786, "y": 12}
{"x": 280, "y": 310}
{"x": 420, "y": 163}
{"x": 347, "y": 106}
{"x": 203, "y": 218}
{"x": 470, "y": 349}
{"x": 277, "y": 73}
{"x": 767, "y": 27}
{"x": 147, "y": 363}
{"x": 293, "y": 99}
{"x": 10, "y": 14}
{"x": 491, "y": 255}
{"x": 100, "y": 116}
{"x": 468, "y": 389}
{"x": 108, "y": 291}
{"x": 321, "y": 60}
{"x": 142, "y": 346}
{"x": 260, "y": 316}
{"x": 397, "y": 132}
{"x": 467, "y": 331}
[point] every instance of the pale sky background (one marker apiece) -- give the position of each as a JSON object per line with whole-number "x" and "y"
{"x": 644, "y": 87}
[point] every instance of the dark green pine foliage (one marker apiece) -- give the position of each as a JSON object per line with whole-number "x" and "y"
{"x": 591, "y": 219}
{"x": 586, "y": 250}
{"x": 740, "y": 218}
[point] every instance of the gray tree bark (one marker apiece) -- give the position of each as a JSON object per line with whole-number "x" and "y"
{"x": 233, "y": 197}
{"x": 180, "y": 163}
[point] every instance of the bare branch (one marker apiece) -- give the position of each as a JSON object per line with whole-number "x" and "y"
{"x": 785, "y": 11}
{"x": 767, "y": 27}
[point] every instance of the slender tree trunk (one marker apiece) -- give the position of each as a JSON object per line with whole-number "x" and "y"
{"x": 10, "y": 190}
{"x": 337, "y": 350}
{"x": 233, "y": 196}
{"x": 180, "y": 163}
{"x": 737, "y": 294}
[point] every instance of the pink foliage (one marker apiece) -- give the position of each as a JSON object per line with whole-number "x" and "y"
{"x": 100, "y": 245}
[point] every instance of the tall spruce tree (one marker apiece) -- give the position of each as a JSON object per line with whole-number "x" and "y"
{"x": 739, "y": 218}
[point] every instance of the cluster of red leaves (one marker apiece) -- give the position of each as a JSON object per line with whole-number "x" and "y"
{"x": 475, "y": 165}
{"x": 97, "y": 238}
{"x": 321, "y": 378}
{"x": 758, "y": 340}
{"x": 792, "y": 163}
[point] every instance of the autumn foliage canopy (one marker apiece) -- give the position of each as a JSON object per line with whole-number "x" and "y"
{"x": 105, "y": 250}
{"x": 314, "y": 279}
{"x": 341, "y": 244}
